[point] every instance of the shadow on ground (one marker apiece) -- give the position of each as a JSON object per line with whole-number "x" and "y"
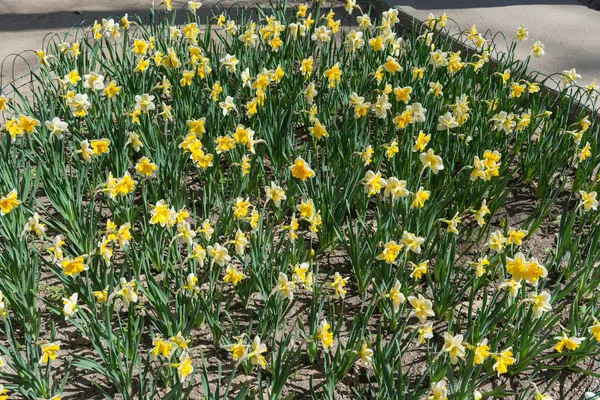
{"x": 453, "y": 4}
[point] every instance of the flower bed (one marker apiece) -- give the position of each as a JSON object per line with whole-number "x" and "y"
{"x": 284, "y": 203}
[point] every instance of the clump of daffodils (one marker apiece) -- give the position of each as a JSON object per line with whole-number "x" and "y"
{"x": 304, "y": 190}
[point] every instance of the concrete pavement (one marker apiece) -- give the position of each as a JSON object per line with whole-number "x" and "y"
{"x": 569, "y": 30}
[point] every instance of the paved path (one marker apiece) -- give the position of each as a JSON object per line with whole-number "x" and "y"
{"x": 569, "y": 30}
{"x": 24, "y": 24}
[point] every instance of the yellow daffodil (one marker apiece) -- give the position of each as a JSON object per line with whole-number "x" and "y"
{"x": 9, "y": 202}
{"x": 49, "y": 351}
{"x": 482, "y": 351}
{"x": 301, "y": 170}
{"x": 570, "y": 343}
{"x": 503, "y": 360}
{"x": 325, "y": 335}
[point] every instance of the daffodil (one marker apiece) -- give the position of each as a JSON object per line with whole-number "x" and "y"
{"x": 512, "y": 286}
{"x": 365, "y": 354}
{"x": 588, "y": 200}
{"x": 422, "y": 307}
{"x": 522, "y": 33}
{"x": 100, "y": 146}
{"x": 145, "y": 167}
{"x": 537, "y": 49}
{"x": 516, "y": 90}
{"x": 373, "y": 183}
{"x": 325, "y": 335}
{"x": 185, "y": 232}
{"x": 135, "y": 141}
{"x": 3, "y": 393}
{"x": 439, "y": 390}
{"x": 128, "y": 292}
{"x": 392, "y": 149}
{"x": 3, "y": 311}
{"x": 224, "y": 144}
{"x": 162, "y": 347}
{"x": 438, "y": 59}
{"x": 227, "y": 105}
{"x": 503, "y": 360}
{"x": 229, "y": 62}
{"x": 34, "y": 225}
{"x": 392, "y": 65}
{"x": 412, "y": 242}
{"x": 595, "y": 329}
{"x": 540, "y": 303}
{"x": 333, "y": 75}
{"x": 381, "y": 107}
{"x": 70, "y": 306}
{"x": 49, "y": 351}
{"x": 390, "y": 252}
{"x": 219, "y": 254}
{"x": 9, "y": 202}
{"x": 237, "y": 349}
{"x": 585, "y": 152}
{"x": 424, "y": 333}
{"x": 420, "y": 197}
{"x": 301, "y": 170}
{"x": 364, "y": 21}
{"x": 93, "y": 81}
{"x": 480, "y": 265}
{"x": 421, "y": 141}
{"x": 101, "y": 295}
{"x": 569, "y": 77}
{"x": 57, "y": 127}
{"x": 241, "y": 207}
{"x": 446, "y": 122}
{"x": 418, "y": 73}
{"x": 481, "y": 213}
{"x": 540, "y": 396}
{"x": 516, "y": 236}
{"x": 419, "y": 270}
{"x": 396, "y": 296}
{"x": 354, "y": 40}
{"x": 162, "y": 214}
{"x": 482, "y": 351}
{"x": 184, "y": 366}
{"x": 453, "y": 223}
{"x": 403, "y": 120}
{"x": 432, "y": 161}
{"x": 75, "y": 266}
{"x": 145, "y": 102}
{"x": 338, "y": 285}
{"x": 570, "y": 343}
{"x": 453, "y": 345}
{"x": 395, "y": 188}
{"x": 285, "y": 286}
{"x": 256, "y": 351}
{"x": 497, "y": 241}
